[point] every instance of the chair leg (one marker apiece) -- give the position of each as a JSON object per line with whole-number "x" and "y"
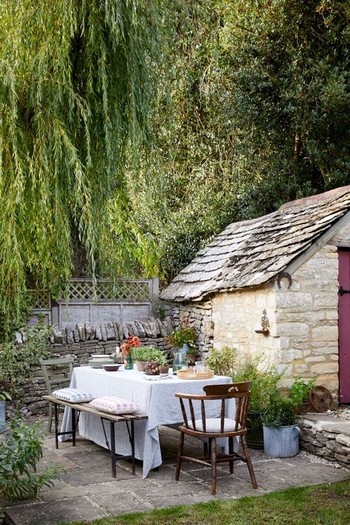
{"x": 231, "y": 452}
{"x": 179, "y": 454}
{"x": 246, "y": 454}
{"x": 213, "y": 465}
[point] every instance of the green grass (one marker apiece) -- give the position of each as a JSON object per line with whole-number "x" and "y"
{"x": 317, "y": 505}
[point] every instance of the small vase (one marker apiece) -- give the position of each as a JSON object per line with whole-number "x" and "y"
{"x": 129, "y": 365}
{"x": 140, "y": 365}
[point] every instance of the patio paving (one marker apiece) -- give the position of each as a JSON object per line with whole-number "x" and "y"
{"x": 86, "y": 490}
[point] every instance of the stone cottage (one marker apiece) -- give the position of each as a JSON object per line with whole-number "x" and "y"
{"x": 278, "y": 286}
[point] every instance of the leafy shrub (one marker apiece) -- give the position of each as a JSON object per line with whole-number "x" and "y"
{"x": 264, "y": 382}
{"x": 19, "y": 454}
{"x": 16, "y": 360}
{"x": 299, "y": 391}
{"x": 222, "y": 362}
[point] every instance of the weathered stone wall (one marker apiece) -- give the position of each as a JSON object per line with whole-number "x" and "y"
{"x": 86, "y": 340}
{"x": 200, "y": 316}
{"x": 327, "y": 437}
{"x": 307, "y": 320}
{"x": 237, "y": 322}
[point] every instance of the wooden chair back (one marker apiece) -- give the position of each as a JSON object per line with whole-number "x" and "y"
{"x": 240, "y": 392}
{"x": 57, "y": 372}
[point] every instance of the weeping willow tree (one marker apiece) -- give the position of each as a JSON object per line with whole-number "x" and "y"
{"x": 75, "y": 87}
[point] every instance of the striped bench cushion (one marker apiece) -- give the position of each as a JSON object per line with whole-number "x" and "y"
{"x": 73, "y": 395}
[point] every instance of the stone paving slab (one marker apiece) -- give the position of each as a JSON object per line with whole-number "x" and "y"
{"x": 87, "y": 491}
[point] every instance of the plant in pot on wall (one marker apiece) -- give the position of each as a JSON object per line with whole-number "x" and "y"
{"x": 264, "y": 380}
{"x": 183, "y": 337}
{"x": 280, "y": 428}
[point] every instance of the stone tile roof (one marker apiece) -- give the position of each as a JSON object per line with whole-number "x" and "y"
{"x": 250, "y": 253}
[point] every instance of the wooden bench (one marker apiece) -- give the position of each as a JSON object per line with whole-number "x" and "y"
{"x": 128, "y": 419}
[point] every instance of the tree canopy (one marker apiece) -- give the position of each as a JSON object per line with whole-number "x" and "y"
{"x": 260, "y": 115}
{"x": 75, "y": 86}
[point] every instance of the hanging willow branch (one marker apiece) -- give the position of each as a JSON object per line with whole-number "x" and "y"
{"x": 75, "y": 87}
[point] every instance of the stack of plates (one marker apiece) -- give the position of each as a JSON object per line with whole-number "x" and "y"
{"x": 98, "y": 361}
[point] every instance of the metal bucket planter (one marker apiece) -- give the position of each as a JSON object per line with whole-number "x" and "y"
{"x": 281, "y": 442}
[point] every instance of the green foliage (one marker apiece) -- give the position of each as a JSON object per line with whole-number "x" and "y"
{"x": 19, "y": 454}
{"x": 148, "y": 353}
{"x": 75, "y": 89}
{"x": 288, "y": 66}
{"x": 264, "y": 382}
{"x": 222, "y": 362}
{"x": 252, "y": 111}
{"x": 16, "y": 359}
{"x": 299, "y": 391}
{"x": 184, "y": 334}
{"x": 280, "y": 412}
{"x": 4, "y": 395}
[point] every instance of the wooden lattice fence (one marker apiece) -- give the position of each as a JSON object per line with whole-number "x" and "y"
{"x": 98, "y": 301}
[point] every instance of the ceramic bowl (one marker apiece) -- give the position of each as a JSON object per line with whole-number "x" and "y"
{"x": 111, "y": 368}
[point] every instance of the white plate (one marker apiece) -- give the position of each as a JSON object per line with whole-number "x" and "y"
{"x": 100, "y": 364}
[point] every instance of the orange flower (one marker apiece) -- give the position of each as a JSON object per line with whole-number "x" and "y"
{"x": 131, "y": 342}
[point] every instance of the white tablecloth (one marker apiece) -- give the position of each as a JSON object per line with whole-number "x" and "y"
{"x": 154, "y": 398}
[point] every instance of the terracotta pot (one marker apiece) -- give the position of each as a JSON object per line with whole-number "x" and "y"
{"x": 140, "y": 365}
{"x": 164, "y": 369}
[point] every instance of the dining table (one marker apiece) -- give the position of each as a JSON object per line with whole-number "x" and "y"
{"x": 153, "y": 396}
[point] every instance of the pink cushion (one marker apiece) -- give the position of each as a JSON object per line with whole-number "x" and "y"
{"x": 114, "y": 405}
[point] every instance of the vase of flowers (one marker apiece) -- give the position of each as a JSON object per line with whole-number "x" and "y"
{"x": 126, "y": 350}
{"x": 183, "y": 337}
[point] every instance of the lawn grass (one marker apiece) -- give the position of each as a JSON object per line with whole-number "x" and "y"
{"x": 317, "y": 505}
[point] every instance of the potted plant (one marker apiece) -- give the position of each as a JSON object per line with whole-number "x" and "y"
{"x": 184, "y": 336}
{"x": 144, "y": 354}
{"x": 280, "y": 428}
{"x": 264, "y": 380}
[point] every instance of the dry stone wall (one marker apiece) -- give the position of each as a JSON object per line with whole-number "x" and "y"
{"x": 327, "y": 437}
{"x": 85, "y": 340}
